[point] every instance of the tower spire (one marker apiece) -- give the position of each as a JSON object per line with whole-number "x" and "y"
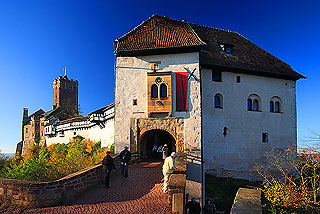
{"x": 65, "y": 71}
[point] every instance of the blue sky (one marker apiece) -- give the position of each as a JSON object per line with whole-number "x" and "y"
{"x": 39, "y": 37}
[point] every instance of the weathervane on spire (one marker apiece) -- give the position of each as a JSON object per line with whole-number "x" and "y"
{"x": 65, "y": 71}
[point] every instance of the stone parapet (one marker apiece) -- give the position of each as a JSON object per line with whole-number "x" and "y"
{"x": 247, "y": 201}
{"x": 43, "y": 194}
{"x": 177, "y": 184}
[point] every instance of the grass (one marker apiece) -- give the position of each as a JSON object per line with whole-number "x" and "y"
{"x": 223, "y": 190}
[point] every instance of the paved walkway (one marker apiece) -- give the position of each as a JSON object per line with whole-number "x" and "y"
{"x": 139, "y": 193}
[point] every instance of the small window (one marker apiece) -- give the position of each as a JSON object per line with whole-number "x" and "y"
{"x": 253, "y": 102}
{"x": 277, "y": 107}
{"x": 26, "y": 130}
{"x": 216, "y": 76}
{"x": 238, "y": 79}
{"x": 226, "y": 48}
{"x": 275, "y": 104}
{"x": 249, "y": 105}
{"x": 74, "y": 133}
{"x": 134, "y": 102}
{"x": 163, "y": 90}
{"x": 218, "y": 101}
{"x": 271, "y": 106}
{"x": 265, "y": 137}
{"x": 255, "y": 105}
{"x": 154, "y": 91}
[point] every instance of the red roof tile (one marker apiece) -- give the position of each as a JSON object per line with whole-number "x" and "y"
{"x": 159, "y": 32}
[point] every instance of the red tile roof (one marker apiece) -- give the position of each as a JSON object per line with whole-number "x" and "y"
{"x": 159, "y": 32}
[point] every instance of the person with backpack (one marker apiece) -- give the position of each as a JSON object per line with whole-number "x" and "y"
{"x": 125, "y": 157}
{"x": 108, "y": 165}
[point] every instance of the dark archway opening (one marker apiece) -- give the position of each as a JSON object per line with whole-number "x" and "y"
{"x": 155, "y": 138}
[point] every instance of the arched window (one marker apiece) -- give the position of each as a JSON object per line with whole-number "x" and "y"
{"x": 218, "y": 101}
{"x": 154, "y": 91}
{"x": 249, "y": 105}
{"x": 277, "y": 107}
{"x": 275, "y": 104}
{"x": 163, "y": 90}
{"x": 271, "y": 106}
{"x": 253, "y": 102}
{"x": 255, "y": 105}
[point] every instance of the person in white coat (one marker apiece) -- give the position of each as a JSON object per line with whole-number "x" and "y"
{"x": 167, "y": 169}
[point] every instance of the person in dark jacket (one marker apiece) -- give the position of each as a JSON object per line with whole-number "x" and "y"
{"x": 108, "y": 164}
{"x": 125, "y": 157}
{"x": 193, "y": 206}
{"x": 210, "y": 207}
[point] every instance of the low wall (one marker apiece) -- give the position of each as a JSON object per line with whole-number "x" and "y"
{"x": 177, "y": 184}
{"x": 43, "y": 194}
{"x": 247, "y": 201}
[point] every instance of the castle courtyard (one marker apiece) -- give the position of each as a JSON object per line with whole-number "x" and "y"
{"x": 139, "y": 193}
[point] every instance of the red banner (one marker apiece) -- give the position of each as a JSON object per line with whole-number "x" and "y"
{"x": 182, "y": 91}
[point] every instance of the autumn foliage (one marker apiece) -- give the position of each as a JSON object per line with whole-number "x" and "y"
{"x": 55, "y": 161}
{"x": 291, "y": 182}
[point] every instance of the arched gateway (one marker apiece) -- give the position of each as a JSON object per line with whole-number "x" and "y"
{"x": 145, "y": 132}
{"x": 156, "y": 138}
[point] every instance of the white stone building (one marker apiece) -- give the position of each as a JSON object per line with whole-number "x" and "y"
{"x": 97, "y": 126}
{"x": 207, "y": 92}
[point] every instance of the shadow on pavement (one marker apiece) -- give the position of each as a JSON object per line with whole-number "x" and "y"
{"x": 143, "y": 177}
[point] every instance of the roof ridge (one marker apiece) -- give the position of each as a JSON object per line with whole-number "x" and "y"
{"x": 229, "y": 31}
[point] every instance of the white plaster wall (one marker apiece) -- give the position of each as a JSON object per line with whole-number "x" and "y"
{"x": 242, "y": 147}
{"x": 131, "y": 83}
{"x": 105, "y": 134}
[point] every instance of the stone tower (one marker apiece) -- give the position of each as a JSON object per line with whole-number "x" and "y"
{"x": 65, "y": 93}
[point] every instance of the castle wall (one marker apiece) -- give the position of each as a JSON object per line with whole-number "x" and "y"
{"x": 131, "y": 83}
{"x": 88, "y": 130}
{"x": 242, "y": 147}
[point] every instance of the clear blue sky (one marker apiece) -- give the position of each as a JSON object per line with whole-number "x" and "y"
{"x": 39, "y": 37}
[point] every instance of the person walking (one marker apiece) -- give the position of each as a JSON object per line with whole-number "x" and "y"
{"x": 125, "y": 157}
{"x": 193, "y": 206}
{"x": 210, "y": 207}
{"x": 165, "y": 151}
{"x": 159, "y": 152}
{"x": 108, "y": 164}
{"x": 167, "y": 169}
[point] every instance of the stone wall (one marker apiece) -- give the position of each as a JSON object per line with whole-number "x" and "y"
{"x": 247, "y": 201}
{"x": 236, "y": 151}
{"x": 175, "y": 126}
{"x": 177, "y": 185}
{"x": 43, "y": 194}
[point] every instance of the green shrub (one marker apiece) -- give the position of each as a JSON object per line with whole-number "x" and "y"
{"x": 55, "y": 161}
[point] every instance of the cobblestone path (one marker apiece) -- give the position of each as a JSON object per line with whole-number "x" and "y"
{"x": 139, "y": 193}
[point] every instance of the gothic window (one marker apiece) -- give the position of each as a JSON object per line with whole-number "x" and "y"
{"x": 163, "y": 90}
{"x": 249, "y": 105}
{"x": 277, "y": 107}
{"x": 254, "y": 103}
{"x": 275, "y": 104}
{"x": 154, "y": 91}
{"x": 271, "y": 106}
{"x": 218, "y": 101}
